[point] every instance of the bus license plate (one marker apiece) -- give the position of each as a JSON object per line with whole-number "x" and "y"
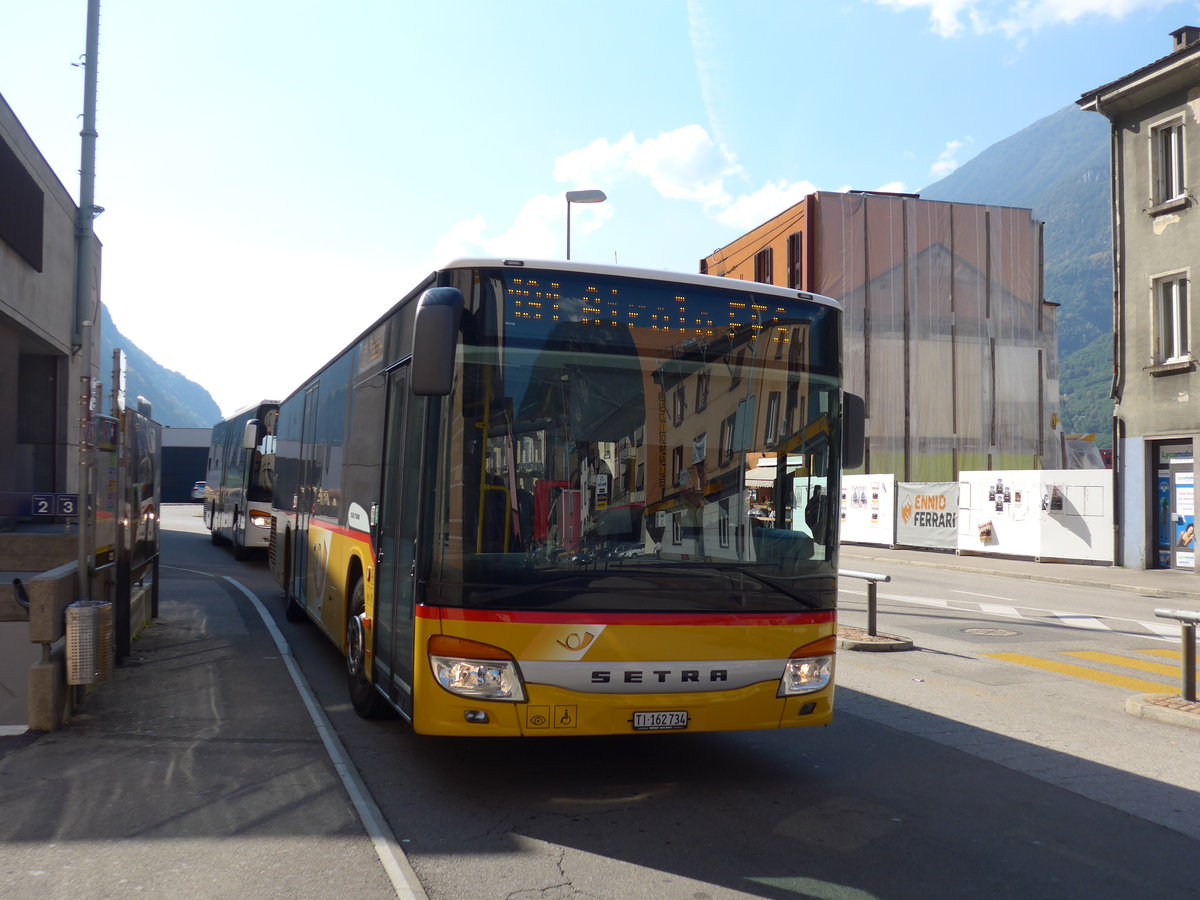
{"x": 660, "y": 721}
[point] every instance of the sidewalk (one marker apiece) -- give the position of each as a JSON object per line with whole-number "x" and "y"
{"x": 1179, "y": 589}
{"x": 196, "y": 772}
{"x": 1170, "y": 584}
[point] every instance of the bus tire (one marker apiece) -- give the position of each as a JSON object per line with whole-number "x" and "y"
{"x": 367, "y": 701}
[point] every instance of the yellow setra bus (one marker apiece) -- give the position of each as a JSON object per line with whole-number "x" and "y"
{"x": 552, "y": 499}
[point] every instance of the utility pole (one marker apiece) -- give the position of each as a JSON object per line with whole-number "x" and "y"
{"x": 87, "y": 300}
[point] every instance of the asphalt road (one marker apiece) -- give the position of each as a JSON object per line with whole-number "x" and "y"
{"x": 947, "y": 773}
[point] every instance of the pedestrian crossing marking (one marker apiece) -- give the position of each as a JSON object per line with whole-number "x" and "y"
{"x": 997, "y": 610}
{"x": 1137, "y": 665}
{"x": 1082, "y": 621}
{"x": 1137, "y": 685}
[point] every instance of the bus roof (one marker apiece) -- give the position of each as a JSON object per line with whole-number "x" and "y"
{"x": 710, "y": 281}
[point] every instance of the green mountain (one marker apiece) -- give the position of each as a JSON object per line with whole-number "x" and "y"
{"x": 176, "y": 401}
{"x": 1059, "y": 167}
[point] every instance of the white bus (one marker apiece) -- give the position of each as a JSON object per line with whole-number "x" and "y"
{"x": 237, "y": 496}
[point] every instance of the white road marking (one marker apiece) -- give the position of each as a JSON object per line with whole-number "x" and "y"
{"x": 1081, "y": 621}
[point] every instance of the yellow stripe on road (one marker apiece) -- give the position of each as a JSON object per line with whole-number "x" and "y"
{"x": 1135, "y": 664}
{"x": 1169, "y": 654}
{"x": 1122, "y": 681}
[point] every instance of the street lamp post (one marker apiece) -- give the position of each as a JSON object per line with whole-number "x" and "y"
{"x": 580, "y": 197}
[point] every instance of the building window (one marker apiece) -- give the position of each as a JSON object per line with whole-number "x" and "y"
{"x": 772, "y": 417}
{"x": 702, "y": 391}
{"x": 725, "y": 452}
{"x": 679, "y": 408}
{"x": 1167, "y": 161}
{"x": 762, "y": 266}
{"x": 723, "y": 523}
{"x": 795, "y": 270}
{"x": 735, "y": 368}
{"x": 1171, "y": 310}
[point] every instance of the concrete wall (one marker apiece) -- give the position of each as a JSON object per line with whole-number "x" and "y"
{"x": 39, "y": 375}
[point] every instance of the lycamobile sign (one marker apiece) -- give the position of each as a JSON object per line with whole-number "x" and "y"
{"x": 927, "y": 514}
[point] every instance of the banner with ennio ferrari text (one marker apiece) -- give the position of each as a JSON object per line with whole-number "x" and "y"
{"x": 927, "y": 514}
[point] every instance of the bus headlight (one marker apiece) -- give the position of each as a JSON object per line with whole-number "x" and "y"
{"x": 471, "y": 669}
{"x": 260, "y": 520}
{"x": 810, "y": 668}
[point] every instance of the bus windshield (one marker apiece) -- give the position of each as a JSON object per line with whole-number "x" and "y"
{"x": 634, "y": 445}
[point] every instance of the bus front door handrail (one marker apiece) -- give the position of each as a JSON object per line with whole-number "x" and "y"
{"x": 1187, "y": 628}
{"x": 872, "y": 579}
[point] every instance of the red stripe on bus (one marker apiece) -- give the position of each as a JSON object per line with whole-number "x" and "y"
{"x": 353, "y": 533}
{"x": 455, "y": 614}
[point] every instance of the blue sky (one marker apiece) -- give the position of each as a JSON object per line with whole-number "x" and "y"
{"x": 276, "y": 174}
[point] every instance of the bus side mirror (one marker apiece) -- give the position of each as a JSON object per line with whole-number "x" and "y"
{"x": 250, "y": 435}
{"x": 435, "y": 338}
{"x": 854, "y": 430}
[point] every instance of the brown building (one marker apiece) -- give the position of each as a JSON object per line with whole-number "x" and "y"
{"x": 947, "y": 336}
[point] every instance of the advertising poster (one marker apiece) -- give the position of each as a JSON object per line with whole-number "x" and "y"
{"x": 1185, "y": 520}
{"x": 867, "y": 509}
{"x": 1162, "y": 527}
{"x": 928, "y": 514}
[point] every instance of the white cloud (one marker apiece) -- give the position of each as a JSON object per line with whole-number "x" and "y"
{"x": 751, "y": 210}
{"x": 684, "y": 164}
{"x": 1015, "y": 18}
{"x": 538, "y": 232}
{"x": 947, "y": 160}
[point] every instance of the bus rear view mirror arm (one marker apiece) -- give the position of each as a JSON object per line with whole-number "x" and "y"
{"x": 435, "y": 337}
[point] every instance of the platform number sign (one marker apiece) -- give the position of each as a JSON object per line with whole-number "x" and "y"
{"x": 62, "y": 505}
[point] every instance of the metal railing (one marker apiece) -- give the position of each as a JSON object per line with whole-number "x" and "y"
{"x": 1187, "y": 626}
{"x": 872, "y": 579}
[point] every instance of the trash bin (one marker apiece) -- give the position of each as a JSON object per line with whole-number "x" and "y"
{"x": 89, "y": 641}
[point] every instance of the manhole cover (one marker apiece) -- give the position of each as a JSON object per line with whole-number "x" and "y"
{"x": 992, "y": 632}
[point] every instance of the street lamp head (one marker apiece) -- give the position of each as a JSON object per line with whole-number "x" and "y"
{"x": 586, "y": 197}
{"x": 580, "y": 197}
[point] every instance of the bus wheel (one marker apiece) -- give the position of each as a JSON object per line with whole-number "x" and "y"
{"x": 367, "y": 701}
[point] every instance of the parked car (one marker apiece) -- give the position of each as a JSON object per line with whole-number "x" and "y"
{"x": 198, "y": 490}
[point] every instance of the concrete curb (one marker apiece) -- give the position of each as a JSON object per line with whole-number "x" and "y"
{"x": 878, "y": 646}
{"x": 1144, "y": 707}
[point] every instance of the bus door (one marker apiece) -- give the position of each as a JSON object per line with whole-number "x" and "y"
{"x": 396, "y": 548}
{"x": 306, "y": 495}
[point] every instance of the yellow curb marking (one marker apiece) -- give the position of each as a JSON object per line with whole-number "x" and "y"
{"x": 1122, "y": 681}
{"x": 1169, "y": 654}
{"x": 1135, "y": 664}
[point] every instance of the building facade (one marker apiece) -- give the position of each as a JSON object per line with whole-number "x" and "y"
{"x": 1156, "y": 247}
{"x": 40, "y": 334}
{"x": 946, "y": 337}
